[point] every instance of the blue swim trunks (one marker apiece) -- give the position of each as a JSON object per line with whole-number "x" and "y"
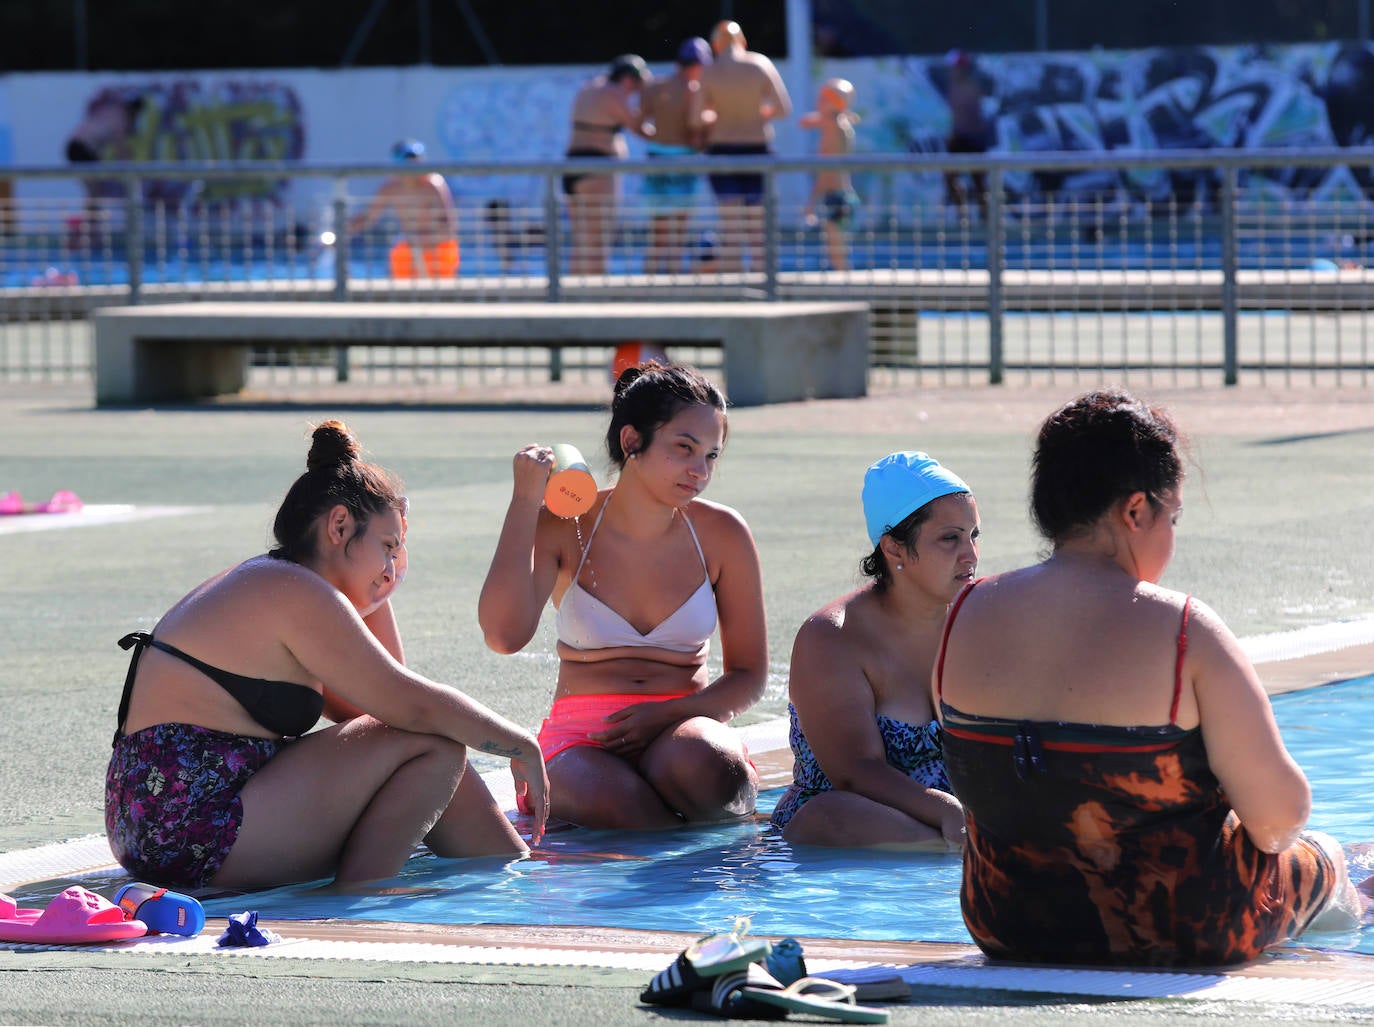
{"x": 840, "y": 207}
{"x": 744, "y": 186}
{"x": 673, "y": 191}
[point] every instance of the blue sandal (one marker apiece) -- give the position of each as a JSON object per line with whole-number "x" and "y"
{"x": 165, "y": 912}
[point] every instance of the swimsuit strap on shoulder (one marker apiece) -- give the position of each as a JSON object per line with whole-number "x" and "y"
{"x": 944, "y": 640}
{"x": 591, "y": 535}
{"x": 1178, "y": 665}
{"x": 697, "y": 542}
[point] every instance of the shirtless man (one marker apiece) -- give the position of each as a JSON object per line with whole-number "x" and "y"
{"x": 968, "y": 132}
{"x": 422, "y": 203}
{"x": 743, "y": 93}
{"x": 601, "y": 112}
{"x": 673, "y": 106}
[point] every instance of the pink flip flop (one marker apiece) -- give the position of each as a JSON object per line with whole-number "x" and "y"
{"x": 75, "y": 917}
{"x": 62, "y": 501}
{"x": 11, "y": 503}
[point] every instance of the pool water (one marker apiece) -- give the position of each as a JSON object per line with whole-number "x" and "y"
{"x": 700, "y": 879}
{"x": 250, "y": 261}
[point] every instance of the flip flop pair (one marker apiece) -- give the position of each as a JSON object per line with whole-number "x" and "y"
{"x": 75, "y": 917}
{"x": 701, "y": 962}
{"x": 738, "y": 977}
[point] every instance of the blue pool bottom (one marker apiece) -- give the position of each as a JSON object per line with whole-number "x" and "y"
{"x": 700, "y": 879}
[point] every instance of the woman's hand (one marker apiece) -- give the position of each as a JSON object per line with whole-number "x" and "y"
{"x": 532, "y": 783}
{"x": 632, "y": 729}
{"x": 533, "y": 465}
{"x": 952, "y": 826}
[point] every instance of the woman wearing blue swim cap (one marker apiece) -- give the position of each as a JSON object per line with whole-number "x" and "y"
{"x": 868, "y": 768}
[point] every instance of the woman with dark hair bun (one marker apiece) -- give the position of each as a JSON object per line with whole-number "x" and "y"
{"x": 637, "y": 735}
{"x": 1128, "y": 797}
{"x": 217, "y": 778}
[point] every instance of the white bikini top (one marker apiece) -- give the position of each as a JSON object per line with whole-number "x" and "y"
{"x": 585, "y": 622}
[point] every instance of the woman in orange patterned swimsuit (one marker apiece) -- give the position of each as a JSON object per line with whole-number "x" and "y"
{"x": 1127, "y": 794}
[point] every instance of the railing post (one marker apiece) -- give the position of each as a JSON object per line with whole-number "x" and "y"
{"x": 553, "y": 240}
{"x": 996, "y": 244}
{"x": 133, "y": 237}
{"x": 771, "y": 249}
{"x": 1229, "y": 304}
{"x": 340, "y": 217}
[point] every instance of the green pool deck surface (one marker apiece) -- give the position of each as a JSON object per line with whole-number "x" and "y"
{"x": 1275, "y": 537}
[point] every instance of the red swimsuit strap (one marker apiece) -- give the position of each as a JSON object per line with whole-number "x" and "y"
{"x": 944, "y": 639}
{"x": 1178, "y": 666}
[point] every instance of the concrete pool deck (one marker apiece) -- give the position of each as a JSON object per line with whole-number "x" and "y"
{"x": 1274, "y": 539}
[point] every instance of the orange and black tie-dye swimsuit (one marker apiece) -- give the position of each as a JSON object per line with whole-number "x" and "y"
{"x": 1115, "y": 845}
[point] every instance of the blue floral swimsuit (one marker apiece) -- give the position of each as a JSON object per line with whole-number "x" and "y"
{"x": 914, "y": 749}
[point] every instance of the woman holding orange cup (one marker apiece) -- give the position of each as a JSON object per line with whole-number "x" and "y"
{"x": 637, "y": 736}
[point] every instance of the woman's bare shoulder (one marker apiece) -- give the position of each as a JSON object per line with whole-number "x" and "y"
{"x": 833, "y": 635}
{"x": 713, "y": 516}
{"x": 267, "y": 569}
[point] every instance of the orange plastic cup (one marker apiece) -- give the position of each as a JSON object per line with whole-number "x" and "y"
{"x": 571, "y": 490}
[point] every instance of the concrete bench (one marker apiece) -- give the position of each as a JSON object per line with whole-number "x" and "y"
{"x": 772, "y": 352}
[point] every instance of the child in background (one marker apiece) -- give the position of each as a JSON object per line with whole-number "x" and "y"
{"x": 833, "y": 189}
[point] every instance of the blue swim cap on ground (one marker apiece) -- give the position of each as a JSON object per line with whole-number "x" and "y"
{"x": 408, "y": 149}
{"x": 899, "y": 484}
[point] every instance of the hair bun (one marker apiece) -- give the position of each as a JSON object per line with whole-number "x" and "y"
{"x": 635, "y": 372}
{"x": 331, "y": 445}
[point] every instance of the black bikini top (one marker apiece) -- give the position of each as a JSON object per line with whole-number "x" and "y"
{"x": 282, "y": 707}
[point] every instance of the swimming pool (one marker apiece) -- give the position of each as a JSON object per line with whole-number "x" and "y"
{"x": 700, "y": 879}
{"x": 250, "y": 260}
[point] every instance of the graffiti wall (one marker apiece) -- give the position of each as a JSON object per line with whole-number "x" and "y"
{"x": 1150, "y": 100}
{"x": 186, "y": 120}
{"x": 1220, "y": 97}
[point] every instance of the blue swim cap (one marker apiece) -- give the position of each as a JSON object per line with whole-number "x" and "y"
{"x": 408, "y": 149}
{"x": 900, "y": 484}
{"x": 694, "y": 51}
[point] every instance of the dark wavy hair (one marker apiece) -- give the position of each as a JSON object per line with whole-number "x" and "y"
{"x": 1098, "y": 449}
{"x": 335, "y": 475}
{"x": 649, "y": 395}
{"x": 875, "y": 566}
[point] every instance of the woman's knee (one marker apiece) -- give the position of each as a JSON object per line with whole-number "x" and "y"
{"x": 696, "y": 773}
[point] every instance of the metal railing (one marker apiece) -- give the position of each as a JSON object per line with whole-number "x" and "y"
{"x": 1203, "y": 266}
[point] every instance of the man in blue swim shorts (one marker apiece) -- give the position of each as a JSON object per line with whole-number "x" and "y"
{"x": 673, "y": 105}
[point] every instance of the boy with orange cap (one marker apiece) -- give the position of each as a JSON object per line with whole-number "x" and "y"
{"x": 833, "y": 190}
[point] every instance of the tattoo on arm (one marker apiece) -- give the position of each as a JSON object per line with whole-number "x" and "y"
{"x": 496, "y": 749}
